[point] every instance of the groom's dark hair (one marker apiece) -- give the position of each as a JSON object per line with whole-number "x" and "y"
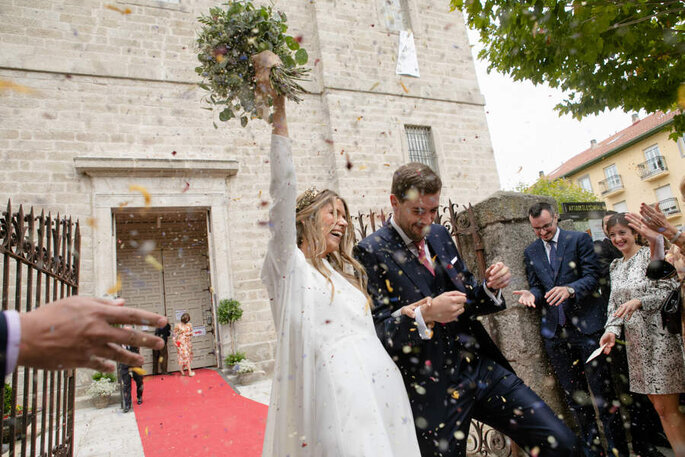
{"x": 414, "y": 176}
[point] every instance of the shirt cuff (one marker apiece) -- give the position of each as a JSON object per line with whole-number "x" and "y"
{"x": 495, "y": 298}
{"x": 424, "y": 332}
{"x": 13, "y": 339}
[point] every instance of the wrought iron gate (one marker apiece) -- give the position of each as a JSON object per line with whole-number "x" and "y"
{"x": 40, "y": 264}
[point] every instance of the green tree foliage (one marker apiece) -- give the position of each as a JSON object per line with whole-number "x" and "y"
{"x": 603, "y": 53}
{"x": 563, "y": 190}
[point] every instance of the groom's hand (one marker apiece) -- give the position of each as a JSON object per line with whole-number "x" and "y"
{"x": 445, "y": 308}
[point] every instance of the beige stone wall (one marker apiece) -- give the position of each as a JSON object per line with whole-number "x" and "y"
{"x": 112, "y": 85}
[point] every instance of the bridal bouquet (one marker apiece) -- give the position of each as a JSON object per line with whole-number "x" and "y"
{"x": 229, "y": 36}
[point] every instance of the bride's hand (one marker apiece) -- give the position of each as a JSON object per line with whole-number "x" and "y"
{"x": 263, "y": 63}
{"x": 410, "y": 310}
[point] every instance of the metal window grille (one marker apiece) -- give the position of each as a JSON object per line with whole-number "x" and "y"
{"x": 421, "y": 146}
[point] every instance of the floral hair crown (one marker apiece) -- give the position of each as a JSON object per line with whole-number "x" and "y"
{"x": 308, "y": 198}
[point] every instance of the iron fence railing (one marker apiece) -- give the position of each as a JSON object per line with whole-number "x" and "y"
{"x": 669, "y": 206}
{"x": 611, "y": 184}
{"x": 40, "y": 264}
{"x": 652, "y": 167}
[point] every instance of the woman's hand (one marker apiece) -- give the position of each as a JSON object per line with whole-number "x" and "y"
{"x": 263, "y": 63}
{"x": 610, "y": 340}
{"x": 628, "y": 308}
{"x": 653, "y": 218}
{"x": 636, "y": 223}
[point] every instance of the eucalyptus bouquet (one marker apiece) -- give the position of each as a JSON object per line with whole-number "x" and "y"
{"x": 229, "y": 36}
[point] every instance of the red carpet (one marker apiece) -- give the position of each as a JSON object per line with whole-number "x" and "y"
{"x": 198, "y": 417}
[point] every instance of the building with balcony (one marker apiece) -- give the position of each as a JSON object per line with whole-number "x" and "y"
{"x": 638, "y": 164}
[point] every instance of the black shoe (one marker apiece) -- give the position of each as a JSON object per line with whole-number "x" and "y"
{"x": 140, "y": 401}
{"x": 127, "y": 409}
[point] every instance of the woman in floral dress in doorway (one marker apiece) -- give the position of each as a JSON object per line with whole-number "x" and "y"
{"x": 183, "y": 332}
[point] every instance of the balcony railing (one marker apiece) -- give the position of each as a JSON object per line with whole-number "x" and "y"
{"x": 652, "y": 167}
{"x": 611, "y": 184}
{"x": 669, "y": 206}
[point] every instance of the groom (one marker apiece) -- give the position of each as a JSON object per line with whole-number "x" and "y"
{"x": 452, "y": 370}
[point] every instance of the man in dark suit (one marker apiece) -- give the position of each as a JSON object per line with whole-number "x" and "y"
{"x": 563, "y": 275}
{"x": 426, "y": 305}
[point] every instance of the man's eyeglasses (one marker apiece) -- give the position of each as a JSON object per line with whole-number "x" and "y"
{"x": 547, "y": 227}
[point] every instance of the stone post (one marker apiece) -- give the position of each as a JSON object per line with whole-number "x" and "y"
{"x": 502, "y": 223}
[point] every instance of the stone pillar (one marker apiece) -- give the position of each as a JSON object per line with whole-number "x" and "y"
{"x": 502, "y": 222}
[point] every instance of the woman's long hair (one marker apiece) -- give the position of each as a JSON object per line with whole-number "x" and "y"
{"x": 310, "y": 230}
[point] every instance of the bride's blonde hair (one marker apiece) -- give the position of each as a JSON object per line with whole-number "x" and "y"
{"x": 310, "y": 230}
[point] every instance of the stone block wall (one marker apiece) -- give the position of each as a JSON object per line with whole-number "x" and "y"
{"x": 111, "y": 85}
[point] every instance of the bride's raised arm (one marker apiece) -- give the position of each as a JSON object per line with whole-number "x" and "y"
{"x": 283, "y": 187}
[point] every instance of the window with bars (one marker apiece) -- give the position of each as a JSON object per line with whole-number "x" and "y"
{"x": 421, "y": 146}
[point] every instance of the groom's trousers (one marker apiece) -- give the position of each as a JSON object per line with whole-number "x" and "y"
{"x": 486, "y": 391}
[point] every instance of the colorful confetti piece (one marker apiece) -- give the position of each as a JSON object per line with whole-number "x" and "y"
{"x": 9, "y": 85}
{"x": 143, "y": 191}
{"x": 116, "y": 287}
{"x": 404, "y": 87}
{"x": 117, "y": 9}
{"x": 154, "y": 262}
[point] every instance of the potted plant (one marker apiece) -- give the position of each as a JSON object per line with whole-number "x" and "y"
{"x": 102, "y": 388}
{"x": 228, "y": 313}
{"x": 233, "y": 359}
{"x": 9, "y": 422}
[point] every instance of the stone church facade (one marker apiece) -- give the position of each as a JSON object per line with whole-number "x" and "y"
{"x": 107, "y": 114}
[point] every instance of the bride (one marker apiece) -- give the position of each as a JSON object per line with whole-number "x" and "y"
{"x": 336, "y": 392}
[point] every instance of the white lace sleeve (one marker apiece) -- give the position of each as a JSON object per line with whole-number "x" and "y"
{"x": 282, "y": 214}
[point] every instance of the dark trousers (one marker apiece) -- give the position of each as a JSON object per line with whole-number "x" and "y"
{"x": 568, "y": 350}
{"x": 126, "y": 387}
{"x": 160, "y": 360}
{"x": 489, "y": 393}
{"x": 646, "y": 430}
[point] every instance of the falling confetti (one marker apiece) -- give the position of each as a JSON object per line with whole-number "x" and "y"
{"x": 404, "y": 87}
{"x": 117, "y": 9}
{"x": 116, "y": 287}
{"x": 138, "y": 370}
{"x": 92, "y": 223}
{"x": 173, "y": 153}
{"x": 348, "y": 163}
{"x": 9, "y": 85}
{"x": 142, "y": 190}
{"x": 519, "y": 170}
{"x": 388, "y": 286}
{"x": 376, "y": 84}
{"x": 187, "y": 186}
{"x": 154, "y": 262}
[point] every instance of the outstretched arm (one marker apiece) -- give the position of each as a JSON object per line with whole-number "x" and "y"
{"x": 77, "y": 332}
{"x": 283, "y": 183}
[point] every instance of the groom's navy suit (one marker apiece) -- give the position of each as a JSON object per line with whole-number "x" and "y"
{"x": 459, "y": 373}
{"x": 569, "y": 345}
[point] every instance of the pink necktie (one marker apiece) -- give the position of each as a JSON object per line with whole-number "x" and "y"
{"x": 420, "y": 245}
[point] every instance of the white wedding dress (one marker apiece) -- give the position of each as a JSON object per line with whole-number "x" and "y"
{"x": 336, "y": 392}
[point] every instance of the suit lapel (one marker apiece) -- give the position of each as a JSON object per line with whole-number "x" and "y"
{"x": 437, "y": 246}
{"x": 399, "y": 253}
{"x": 561, "y": 246}
{"x": 541, "y": 254}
